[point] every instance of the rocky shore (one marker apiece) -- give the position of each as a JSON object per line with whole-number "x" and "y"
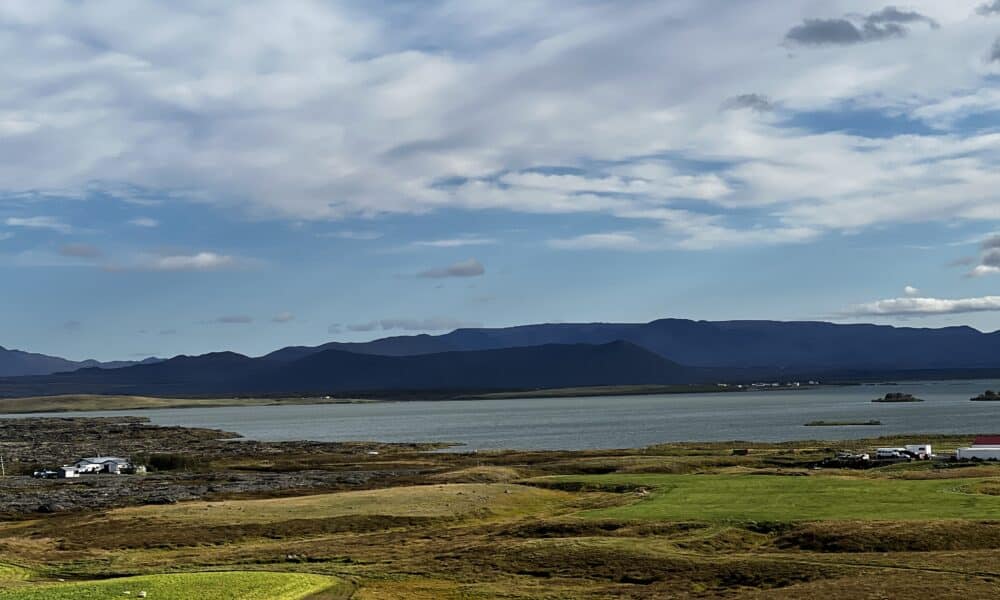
{"x": 212, "y": 463}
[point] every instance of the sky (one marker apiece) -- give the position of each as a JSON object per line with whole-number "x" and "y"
{"x": 195, "y": 176}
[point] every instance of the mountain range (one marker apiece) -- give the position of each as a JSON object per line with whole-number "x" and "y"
{"x": 799, "y": 345}
{"x": 666, "y": 351}
{"x": 14, "y": 363}
{"x": 332, "y": 371}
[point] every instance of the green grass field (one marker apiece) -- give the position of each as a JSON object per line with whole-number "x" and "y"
{"x": 11, "y": 573}
{"x": 233, "y": 585}
{"x": 786, "y": 498}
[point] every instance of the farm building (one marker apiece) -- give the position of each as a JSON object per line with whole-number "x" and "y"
{"x": 102, "y": 464}
{"x": 984, "y": 447}
{"x": 978, "y": 453}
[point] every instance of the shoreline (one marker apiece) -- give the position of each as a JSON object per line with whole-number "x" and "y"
{"x": 82, "y": 403}
{"x": 66, "y": 403}
{"x": 97, "y": 403}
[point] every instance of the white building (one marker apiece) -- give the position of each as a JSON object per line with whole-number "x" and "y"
{"x": 68, "y": 472}
{"x": 102, "y": 464}
{"x": 985, "y": 447}
{"x": 978, "y": 452}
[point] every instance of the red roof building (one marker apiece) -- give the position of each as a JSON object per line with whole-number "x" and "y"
{"x": 987, "y": 440}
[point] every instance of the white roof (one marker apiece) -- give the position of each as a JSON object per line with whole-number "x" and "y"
{"x": 103, "y": 459}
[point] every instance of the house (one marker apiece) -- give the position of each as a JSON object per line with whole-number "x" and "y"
{"x": 68, "y": 472}
{"x": 102, "y": 464}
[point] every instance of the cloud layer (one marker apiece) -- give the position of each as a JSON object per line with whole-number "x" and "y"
{"x": 924, "y": 307}
{"x": 323, "y": 110}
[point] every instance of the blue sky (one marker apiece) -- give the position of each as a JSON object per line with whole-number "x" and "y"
{"x": 186, "y": 177}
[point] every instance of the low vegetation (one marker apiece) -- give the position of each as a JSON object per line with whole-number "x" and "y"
{"x": 185, "y": 586}
{"x": 691, "y": 520}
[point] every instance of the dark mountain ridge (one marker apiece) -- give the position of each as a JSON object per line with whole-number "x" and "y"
{"x": 667, "y": 351}
{"x": 14, "y": 363}
{"x": 337, "y": 371}
{"x": 799, "y": 345}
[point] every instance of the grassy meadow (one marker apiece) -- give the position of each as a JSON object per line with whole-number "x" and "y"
{"x": 673, "y": 521}
{"x": 742, "y": 497}
{"x": 185, "y": 586}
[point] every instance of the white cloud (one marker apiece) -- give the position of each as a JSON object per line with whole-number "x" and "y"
{"x": 144, "y": 222}
{"x": 42, "y": 222}
{"x": 911, "y": 291}
{"x": 283, "y": 317}
{"x": 202, "y": 261}
{"x": 922, "y": 307}
{"x": 981, "y": 270}
{"x": 455, "y": 242}
{"x": 599, "y": 241}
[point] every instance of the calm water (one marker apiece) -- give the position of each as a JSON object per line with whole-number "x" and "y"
{"x": 610, "y": 421}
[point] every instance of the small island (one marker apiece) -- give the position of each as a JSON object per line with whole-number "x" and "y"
{"x": 987, "y": 396}
{"x": 841, "y": 423}
{"x": 897, "y": 397}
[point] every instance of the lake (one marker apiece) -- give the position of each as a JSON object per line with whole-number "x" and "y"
{"x": 609, "y": 421}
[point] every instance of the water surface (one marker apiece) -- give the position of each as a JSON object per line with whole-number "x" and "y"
{"x": 608, "y": 421}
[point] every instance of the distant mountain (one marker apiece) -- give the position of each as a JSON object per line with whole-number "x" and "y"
{"x": 667, "y": 351}
{"x": 15, "y": 363}
{"x": 333, "y": 371}
{"x": 775, "y": 345}
{"x": 547, "y": 366}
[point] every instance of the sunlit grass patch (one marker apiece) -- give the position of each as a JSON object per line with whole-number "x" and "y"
{"x": 788, "y": 498}
{"x": 12, "y": 573}
{"x": 246, "y": 585}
